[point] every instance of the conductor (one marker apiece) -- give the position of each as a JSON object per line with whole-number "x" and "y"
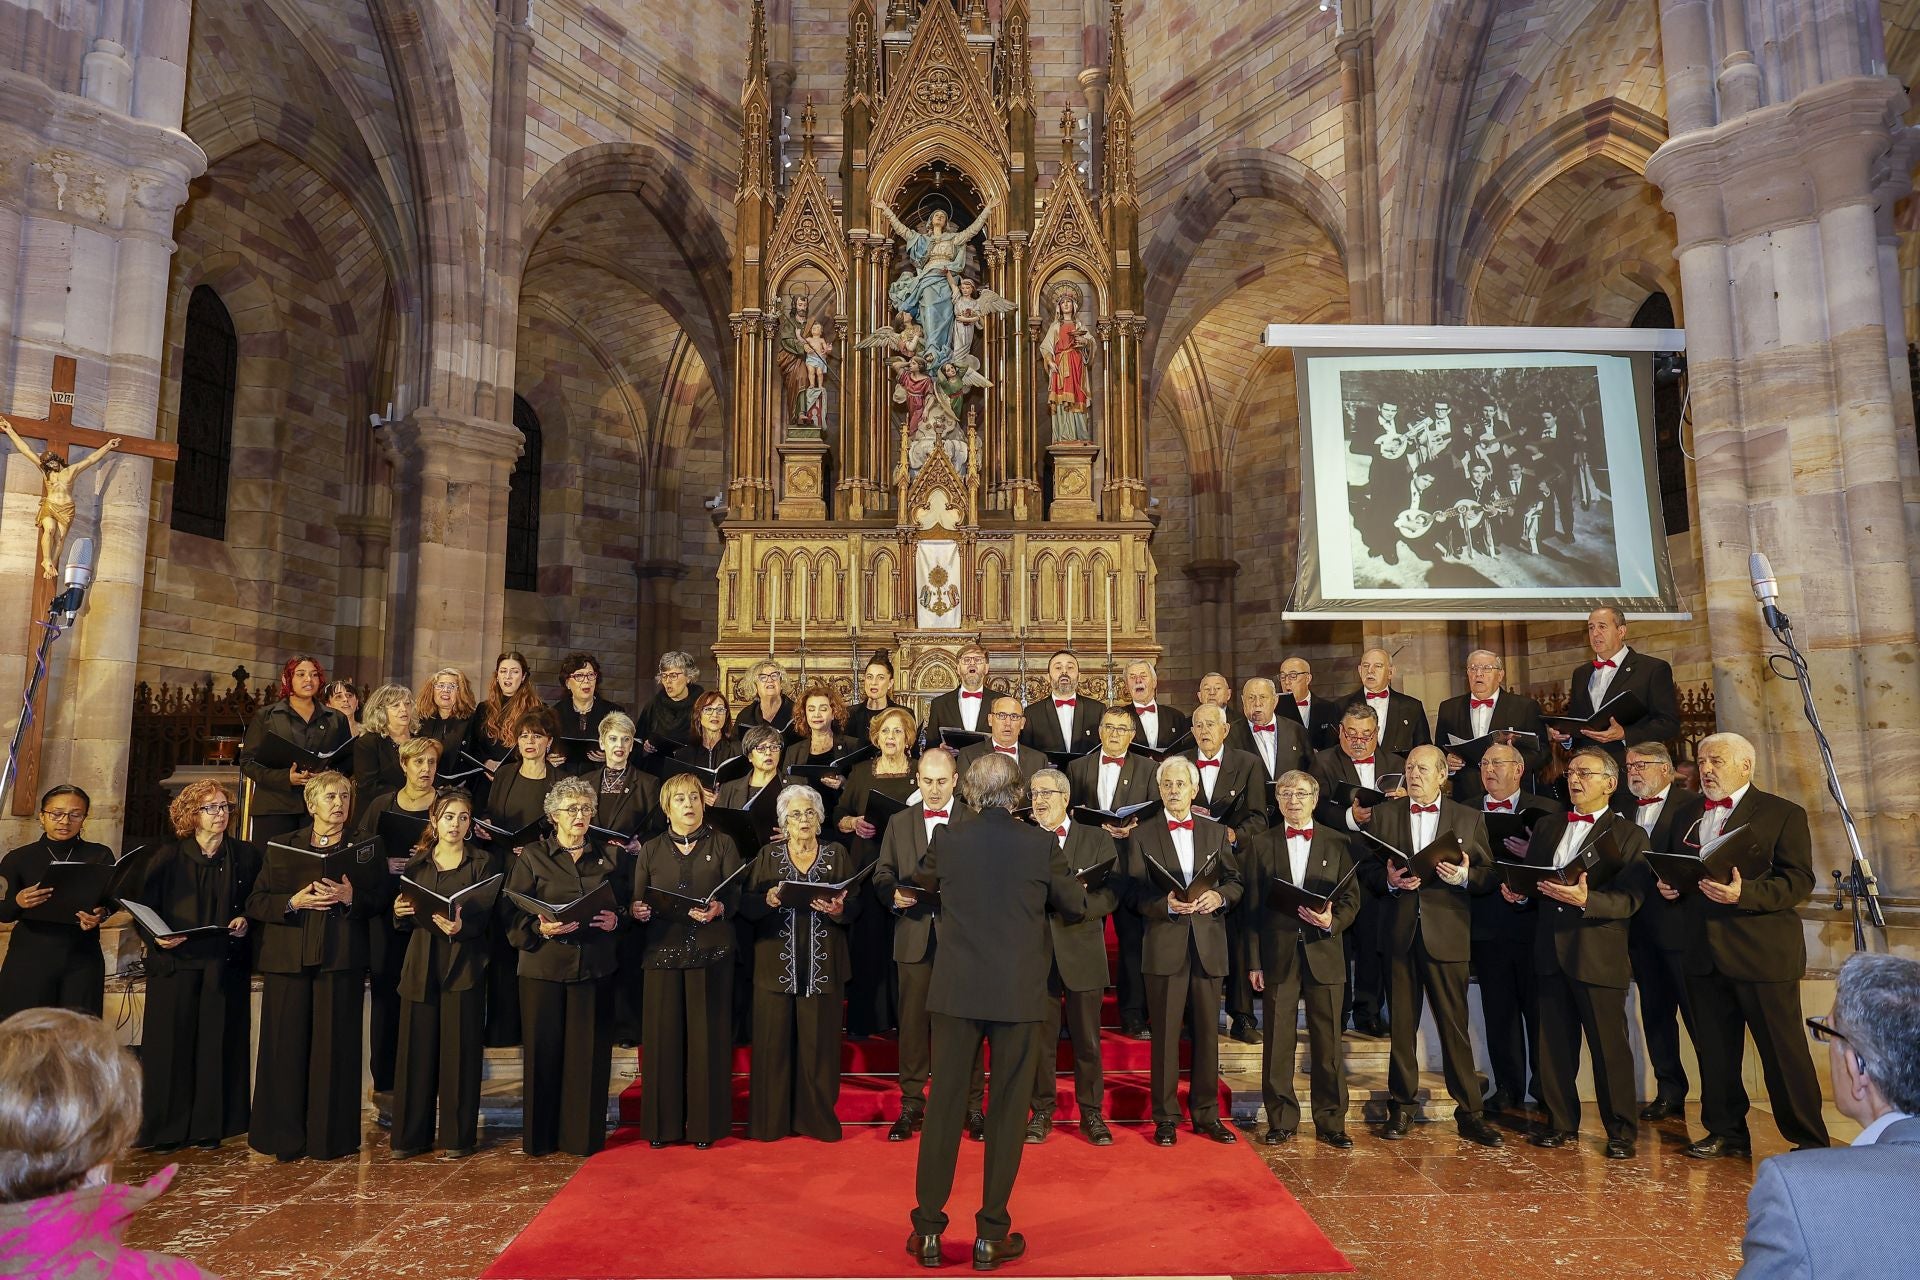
{"x": 996, "y": 877}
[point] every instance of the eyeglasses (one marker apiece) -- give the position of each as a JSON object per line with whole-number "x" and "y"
{"x": 1586, "y": 773}
{"x": 582, "y": 677}
{"x": 1482, "y": 670}
{"x": 65, "y": 815}
{"x": 1823, "y": 1031}
{"x": 1006, "y": 715}
{"x": 1641, "y": 766}
{"x": 1037, "y": 792}
{"x": 218, "y": 807}
{"x": 576, "y": 810}
{"x": 1297, "y": 793}
{"x": 445, "y": 686}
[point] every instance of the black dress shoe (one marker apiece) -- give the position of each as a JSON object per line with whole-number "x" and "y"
{"x": 1136, "y": 1029}
{"x": 1498, "y": 1101}
{"x": 457, "y": 1153}
{"x": 905, "y": 1127}
{"x": 703, "y": 1146}
{"x": 1661, "y": 1108}
{"x": 1619, "y": 1149}
{"x": 1217, "y": 1131}
{"x": 977, "y": 1125}
{"x": 1244, "y": 1030}
{"x": 1713, "y": 1147}
{"x": 1372, "y": 1025}
{"x": 1094, "y": 1126}
{"x": 1039, "y": 1126}
{"x": 208, "y": 1144}
{"x": 924, "y": 1249}
{"x": 1274, "y": 1137}
{"x": 165, "y": 1148}
{"x": 656, "y": 1143}
{"x": 988, "y": 1254}
{"x": 1337, "y": 1139}
{"x": 1399, "y": 1125}
{"x": 1551, "y": 1139}
{"x": 408, "y": 1153}
{"x": 1163, "y": 1135}
{"x": 1476, "y": 1129}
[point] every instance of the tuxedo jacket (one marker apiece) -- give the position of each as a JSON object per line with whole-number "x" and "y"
{"x": 997, "y": 878}
{"x": 1136, "y": 782}
{"x": 1291, "y": 749}
{"x": 1274, "y": 940}
{"x": 1759, "y": 938}
{"x": 1659, "y": 922}
{"x": 1028, "y": 758}
{"x": 1079, "y": 946}
{"x": 1334, "y": 765}
{"x": 1322, "y": 722}
{"x": 1403, "y": 725}
{"x": 1437, "y": 911}
{"x": 1043, "y": 724}
{"x": 945, "y": 713}
{"x": 1510, "y": 711}
{"x": 1173, "y": 723}
{"x": 1650, "y": 678}
{"x": 903, "y": 853}
{"x": 1494, "y": 918}
{"x": 1235, "y": 792}
{"x": 1169, "y": 937}
{"x": 1590, "y": 945}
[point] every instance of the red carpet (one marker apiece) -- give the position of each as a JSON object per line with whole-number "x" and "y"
{"x": 808, "y": 1209}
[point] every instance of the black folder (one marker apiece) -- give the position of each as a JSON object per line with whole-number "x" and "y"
{"x": 669, "y": 900}
{"x": 480, "y": 895}
{"x": 840, "y": 765}
{"x": 656, "y": 756}
{"x": 580, "y": 911}
{"x": 1096, "y": 875}
{"x": 84, "y": 886}
{"x": 579, "y": 752}
{"x": 503, "y": 838}
{"x": 1598, "y": 858}
{"x": 149, "y": 925}
{"x": 1521, "y": 823}
{"x": 469, "y": 771}
{"x": 799, "y": 893}
{"x": 364, "y": 862}
{"x": 713, "y": 778}
{"x": 959, "y": 739}
{"x": 400, "y": 831}
{"x": 1717, "y": 860}
{"x": 1207, "y": 878}
{"x": 1344, "y": 793}
{"x": 750, "y": 829}
{"x": 1624, "y": 706}
{"x": 1158, "y": 754}
{"x": 1097, "y": 817}
{"x": 1061, "y": 759}
{"x": 923, "y": 895}
{"x": 1446, "y": 847}
{"x": 1286, "y": 897}
{"x": 881, "y": 808}
{"x": 1524, "y": 878}
{"x": 277, "y": 752}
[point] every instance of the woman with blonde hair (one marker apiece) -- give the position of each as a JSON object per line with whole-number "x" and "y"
{"x": 386, "y": 944}
{"x": 198, "y": 1019}
{"x": 386, "y": 725}
{"x": 443, "y": 709}
{"x": 69, "y": 1107}
{"x": 871, "y": 995}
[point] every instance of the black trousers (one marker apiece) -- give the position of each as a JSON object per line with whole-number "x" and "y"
{"x": 916, "y": 1042}
{"x": 870, "y": 994}
{"x": 1569, "y": 1008}
{"x": 629, "y": 986}
{"x": 438, "y": 1062}
{"x": 1412, "y": 977}
{"x": 567, "y": 1063}
{"x": 77, "y": 980}
{"x": 1129, "y": 988}
{"x": 194, "y": 1041}
{"x": 795, "y": 1076}
{"x": 1079, "y": 1011}
{"x": 1662, "y": 980}
{"x": 386, "y": 948}
{"x": 1327, "y": 1064}
{"x": 503, "y": 993}
{"x": 306, "y": 1080}
{"x": 742, "y": 981}
{"x": 686, "y": 1070}
{"x": 956, "y": 1042}
{"x": 1196, "y": 995}
{"x": 1239, "y": 993}
{"x": 1367, "y": 988}
{"x": 1723, "y": 1011}
{"x": 1510, "y": 1004}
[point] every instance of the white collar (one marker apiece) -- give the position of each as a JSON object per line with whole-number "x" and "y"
{"x": 1616, "y": 658}
{"x": 1871, "y": 1134}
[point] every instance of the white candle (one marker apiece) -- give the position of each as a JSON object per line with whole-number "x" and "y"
{"x": 1023, "y": 600}
{"x": 773, "y": 619}
{"x": 1109, "y": 620}
{"x": 1070, "y": 577}
{"x": 806, "y": 581}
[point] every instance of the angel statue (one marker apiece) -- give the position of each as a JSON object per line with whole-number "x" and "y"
{"x": 957, "y": 377}
{"x": 1065, "y": 347}
{"x": 927, "y": 294}
{"x": 971, "y": 307}
{"x": 938, "y": 432}
{"x": 56, "y": 496}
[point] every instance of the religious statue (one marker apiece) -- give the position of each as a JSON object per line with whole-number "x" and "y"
{"x": 1065, "y": 347}
{"x": 803, "y": 348}
{"x": 938, "y": 432}
{"x": 957, "y": 377}
{"x": 927, "y": 293}
{"x": 971, "y": 307}
{"x": 56, "y": 496}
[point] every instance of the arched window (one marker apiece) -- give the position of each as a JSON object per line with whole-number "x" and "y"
{"x": 1670, "y": 461}
{"x": 523, "y": 504}
{"x": 207, "y": 378}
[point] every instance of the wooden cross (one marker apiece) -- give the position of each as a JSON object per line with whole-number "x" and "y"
{"x": 61, "y": 436}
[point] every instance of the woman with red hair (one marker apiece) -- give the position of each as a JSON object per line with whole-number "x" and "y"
{"x": 302, "y": 723}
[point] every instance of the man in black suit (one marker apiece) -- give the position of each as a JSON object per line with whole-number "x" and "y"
{"x": 1746, "y": 954}
{"x": 1427, "y": 931}
{"x": 1617, "y": 669}
{"x": 1185, "y": 955}
{"x": 1657, "y": 935}
{"x": 1004, "y": 722}
{"x": 1066, "y": 720}
{"x": 1218, "y": 690}
{"x": 997, "y": 877}
{"x": 1110, "y": 779}
{"x": 1079, "y": 972}
{"x": 1277, "y": 742}
{"x": 1358, "y": 761}
{"x": 1503, "y": 940}
{"x": 1486, "y": 709}
{"x": 1580, "y": 953}
{"x": 903, "y": 850}
{"x": 1158, "y": 724}
{"x": 1296, "y": 956}
{"x": 1233, "y": 792}
{"x": 1319, "y": 716}
{"x": 966, "y": 706}
{"x": 1403, "y": 717}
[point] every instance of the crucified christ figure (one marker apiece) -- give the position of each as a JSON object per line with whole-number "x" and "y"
{"x": 56, "y": 495}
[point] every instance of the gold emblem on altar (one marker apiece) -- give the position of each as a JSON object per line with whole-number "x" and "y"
{"x": 940, "y": 596}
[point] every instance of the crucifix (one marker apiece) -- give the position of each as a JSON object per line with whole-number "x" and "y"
{"x": 57, "y": 469}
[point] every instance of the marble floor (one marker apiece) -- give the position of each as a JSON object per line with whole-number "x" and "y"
{"x": 1428, "y": 1206}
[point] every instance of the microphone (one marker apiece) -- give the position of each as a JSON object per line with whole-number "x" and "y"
{"x": 1766, "y": 589}
{"x": 75, "y": 578}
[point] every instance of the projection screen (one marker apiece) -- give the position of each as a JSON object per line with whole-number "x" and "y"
{"x": 1477, "y": 473}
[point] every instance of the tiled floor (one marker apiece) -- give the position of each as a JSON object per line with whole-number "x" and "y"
{"x": 1432, "y": 1205}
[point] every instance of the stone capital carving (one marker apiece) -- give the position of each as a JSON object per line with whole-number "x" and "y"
{"x": 459, "y": 447}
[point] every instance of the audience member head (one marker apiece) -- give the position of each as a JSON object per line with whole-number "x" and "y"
{"x": 993, "y": 782}
{"x": 1873, "y": 1047}
{"x": 69, "y": 1103}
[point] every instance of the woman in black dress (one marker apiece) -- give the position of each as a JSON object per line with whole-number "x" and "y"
{"x": 579, "y": 709}
{"x": 668, "y": 716}
{"x": 821, "y": 715}
{"x": 198, "y": 1020}
{"x": 442, "y": 988}
{"x": 386, "y": 944}
{"x": 54, "y": 963}
{"x": 386, "y": 725}
{"x": 800, "y": 969}
{"x": 313, "y": 955}
{"x": 629, "y": 805}
{"x": 713, "y": 741}
{"x": 756, "y": 793}
{"x": 276, "y": 808}
{"x": 686, "y": 1072}
{"x": 771, "y": 706}
{"x": 444, "y": 710}
{"x": 519, "y": 792}
{"x": 876, "y": 695}
{"x": 871, "y": 999}
{"x": 510, "y": 696}
{"x": 566, "y": 992}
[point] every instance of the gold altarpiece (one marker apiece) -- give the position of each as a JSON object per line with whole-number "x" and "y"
{"x": 936, "y": 429}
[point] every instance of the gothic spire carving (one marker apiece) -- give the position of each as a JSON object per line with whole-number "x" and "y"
{"x": 863, "y": 51}
{"x": 1016, "y": 68}
{"x": 936, "y": 84}
{"x": 756, "y": 114}
{"x": 1117, "y": 183}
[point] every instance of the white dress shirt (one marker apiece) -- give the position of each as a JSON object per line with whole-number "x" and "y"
{"x": 1297, "y": 847}
{"x": 1109, "y": 782}
{"x": 1481, "y": 718}
{"x": 1602, "y": 678}
{"x": 1183, "y": 849}
{"x": 1576, "y": 835}
{"x": 1208, "y": 777}
{"x": 1366, "y": 780}
{"x": 1422, "y": 828}
{"x": 972, "y": 710}
{"x": 1065, "y": 716}
{"x": 1265, "y": 742}
{"x": 1061, "y": 832}
{"x": 1149, "y": 723}
{"x": 1713, "y": 822}
{"x": 934, "y": 824}
{"x": 1651, "y": 808}
{"x": 1871, "y": 1134}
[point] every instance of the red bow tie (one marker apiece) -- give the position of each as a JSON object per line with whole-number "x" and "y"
{"x": 1186, "y": 825}
{"x": 1424, "y": 808}
{"x": 1304, "y": 705}
{"x": 969, "y": 693}
{"x": 1493, "y": 805}
{"x": 1721, "y": 804}
{"x": 936, "y": 813}
{"x": 1581, "y": 817}
{"x": 1151, "y": 709}
{"x": 1208, "y": 764}
{"x": 1107, "y": 760}
{"x": 1482, "y": 702}
{"x": 1603, "y": 662}
{"x": 1007, "y": 751}
{"x": 1368, "y": 760}
{"x": 1377, "y": 697}
{"x": 1305, "y": 833}
{"x": 1647, "y": 800}
{"x": 1064, "y": 702}
{"x": 1061, "y": 831}
{"x": 1262, "y": 728}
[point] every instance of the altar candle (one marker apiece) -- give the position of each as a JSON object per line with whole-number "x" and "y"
{"x": 806, "y": 583}
{"x": 1070, "y": 576}
{"x": 1109, "y": 620}
{"x": 773, "y": 622}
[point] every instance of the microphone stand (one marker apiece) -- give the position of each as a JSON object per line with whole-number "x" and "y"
{"x": 60, "y": 615}
{"x": 1857, "y": 889}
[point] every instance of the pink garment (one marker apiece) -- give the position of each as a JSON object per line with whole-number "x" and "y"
{"x": 76, "y": 1236}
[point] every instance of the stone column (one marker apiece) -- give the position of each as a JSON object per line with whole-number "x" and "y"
{"x": 1212, "y": 627}
{"x": 93, "y": 167}
{"x": 360, "y": 616}
{"x": 1792, "y": 337}
{"x": 448, "y": 604}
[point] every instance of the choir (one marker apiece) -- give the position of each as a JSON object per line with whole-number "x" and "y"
{"x": 461, "y": 874}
